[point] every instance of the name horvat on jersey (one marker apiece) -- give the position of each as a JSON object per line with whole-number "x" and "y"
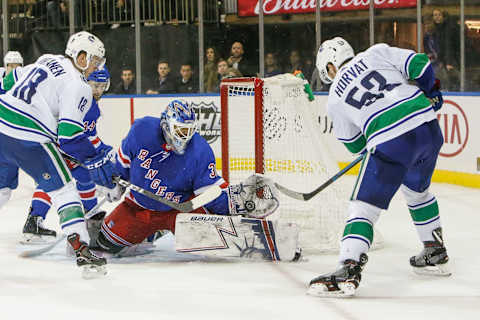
{"x": 55, "y": 68}
{"x": 151, "y": 173}
{"x": 354, "y": 71}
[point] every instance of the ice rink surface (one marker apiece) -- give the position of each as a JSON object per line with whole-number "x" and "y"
{"x": 50, "y": 286}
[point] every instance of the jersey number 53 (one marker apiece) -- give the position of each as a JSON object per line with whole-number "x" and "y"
{"x": 368, "y": 83}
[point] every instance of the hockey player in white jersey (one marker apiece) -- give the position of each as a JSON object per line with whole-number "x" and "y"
{"x": 34, "y": 232}
{"x": 40, "y": 117}
{"x": 11, "y": 61}
{"x": 377, "y": 112}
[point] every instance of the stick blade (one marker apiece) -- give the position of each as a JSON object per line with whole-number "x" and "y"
{"x": 291, "y": 193}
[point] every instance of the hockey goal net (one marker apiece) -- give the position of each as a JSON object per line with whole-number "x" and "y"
{"x": 269, "y": 126}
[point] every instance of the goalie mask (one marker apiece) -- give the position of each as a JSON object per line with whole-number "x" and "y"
{"x": 179, "y": 124}
{"x": 84, "y": 41}
{"x": 99, "y": 81}
{"x": 335, "y": 51}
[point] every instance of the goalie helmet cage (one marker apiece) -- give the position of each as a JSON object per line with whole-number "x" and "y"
{"x": 269, "y": 126}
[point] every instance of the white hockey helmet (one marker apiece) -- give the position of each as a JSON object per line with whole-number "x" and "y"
{"x": 12, "y": 57}
{"x": 335, "y": 51}
{"x": 88, "y": 43}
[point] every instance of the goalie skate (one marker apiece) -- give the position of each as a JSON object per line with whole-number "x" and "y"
{"x": 92, "y": 265}
{"x": 342, "y": 283}
{"x": 34, "y": 232}
{"x": 433, "y": 260}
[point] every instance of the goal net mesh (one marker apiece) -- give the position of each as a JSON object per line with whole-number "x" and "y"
{"x": 269, "y": 126}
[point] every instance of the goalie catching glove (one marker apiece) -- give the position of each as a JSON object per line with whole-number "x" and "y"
{"x": 256, "y": 197}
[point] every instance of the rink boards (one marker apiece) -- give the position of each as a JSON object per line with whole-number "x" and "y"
{"x": 459, "y": 161}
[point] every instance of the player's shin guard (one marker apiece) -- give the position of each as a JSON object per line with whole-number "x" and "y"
{"x": 433, "y": 259}
{"x": 424, "y": 211}
{"x": 341, "y": 283}
{"x": 358, "y": 233}
{"x": 41, "y": 203}
{"x": 70, "y": 211}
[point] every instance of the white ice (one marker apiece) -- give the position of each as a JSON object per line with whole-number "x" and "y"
{"x": 47, "y": 288}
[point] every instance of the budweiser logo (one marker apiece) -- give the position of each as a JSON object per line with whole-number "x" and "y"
{"x": 251, "y": 7}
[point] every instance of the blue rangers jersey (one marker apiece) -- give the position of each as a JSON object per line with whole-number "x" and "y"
{"x": 90, "y": 126}
{"x": 144, "y": 160}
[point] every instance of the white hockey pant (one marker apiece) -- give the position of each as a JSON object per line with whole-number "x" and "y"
{"x": 358, "y": 234}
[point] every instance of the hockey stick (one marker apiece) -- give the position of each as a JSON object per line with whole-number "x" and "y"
{"x": 310, "y": 195}
{"x": 209, "y": 195}
{"x": 39, "y": 251}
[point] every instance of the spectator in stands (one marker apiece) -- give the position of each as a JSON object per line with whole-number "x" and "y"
{"x": 165, "y": 84}
{"x": 233, "y": 73}
{"x": 296, "y": 63}
{"x": 442, "y": 44}
{"x": 56, "y": 13}
{"x": 210, "y": 70}
{"x": 271, "y": 66}
{"x": 186, "y": 83}
{"x": 127, "y": 84}
{"x": 222, "y": 69}
{"x": 239, "y": 62}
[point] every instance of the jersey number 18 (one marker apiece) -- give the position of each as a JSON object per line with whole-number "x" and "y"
{"x": 27, "y": 88}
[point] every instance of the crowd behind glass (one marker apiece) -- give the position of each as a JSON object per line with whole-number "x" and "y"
{"x": 238, "y": 56}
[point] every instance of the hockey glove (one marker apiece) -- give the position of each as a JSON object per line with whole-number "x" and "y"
{"x": 114, "y": 194}
{"x": 256, "y": 197}
{"x": 435, "y": 96}
{"x": 101, "y": 170}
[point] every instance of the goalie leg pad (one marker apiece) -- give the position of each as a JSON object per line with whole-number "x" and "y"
{"x": 236, "y": 237}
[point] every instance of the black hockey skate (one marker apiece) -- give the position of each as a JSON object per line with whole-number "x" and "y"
{"x": 35, "y": 233}
{"x": 433, "y": 259}
{"x": 341, "y": 283}
{"x": 93, "y": 266}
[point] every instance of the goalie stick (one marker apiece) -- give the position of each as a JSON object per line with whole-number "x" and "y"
{"x": 199, "y": 201}
{"x": 310, "y": 195}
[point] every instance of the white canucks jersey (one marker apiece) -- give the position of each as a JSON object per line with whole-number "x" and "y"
{"x": 370, "y": 100}
{"x": 47, "y": 103}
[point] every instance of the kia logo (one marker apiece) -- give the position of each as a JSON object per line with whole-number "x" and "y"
{"x": 454, "y": 125}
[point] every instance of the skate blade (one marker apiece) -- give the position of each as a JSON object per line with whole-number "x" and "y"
{"x": 34, "y": 239}
{"x": 440, "y": 270}
{"x": 93, "y": 272}
{"x": 320, "y": 290}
